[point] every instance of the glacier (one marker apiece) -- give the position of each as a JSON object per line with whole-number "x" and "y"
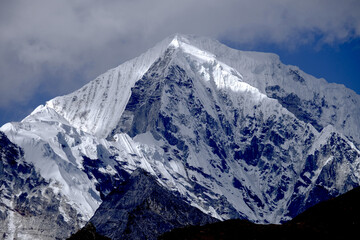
{"x": 238, "y": 134}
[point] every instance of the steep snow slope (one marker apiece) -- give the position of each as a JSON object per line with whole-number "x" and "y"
{"x": 310, "y": 99}
{"x": 219, "y": 126}
{"x": 29, "y": 206}
{"x": 96, "y": 107}
{"x": 231, "y": 138}
{"x": 85, "y": 167}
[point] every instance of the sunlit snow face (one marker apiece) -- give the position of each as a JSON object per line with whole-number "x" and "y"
{"x": 207, "y": 66}
{"x": 234, "y": 134}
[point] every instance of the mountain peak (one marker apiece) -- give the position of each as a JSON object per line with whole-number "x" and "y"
{"x": 97, "y": 107}
{"x": 175, "y": 42}
{"x": 238, "y": 134}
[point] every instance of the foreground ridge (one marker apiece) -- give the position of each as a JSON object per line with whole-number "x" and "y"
{"x": 142, "y": 209}
{"x": 337, "y": 218}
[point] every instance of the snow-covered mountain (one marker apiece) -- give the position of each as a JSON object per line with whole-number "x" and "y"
{"x": 30, "y": 206}
{"x": 237, "y": 134}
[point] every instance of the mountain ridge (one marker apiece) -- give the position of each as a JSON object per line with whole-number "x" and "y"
{"x": 141, "y": 208}
{"x": 29, "y": 205}
{"x": 217, "y": 125}
{"x": 256, "y": 68}
{"x": 336, "y": 218}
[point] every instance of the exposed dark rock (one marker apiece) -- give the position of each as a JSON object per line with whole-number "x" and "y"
{"x": 139, "y": 117}
{"x": 226, "y": 132}
{"x": 335, "y": 153}
{"x": 105, "y": 182}
{"x": 28, "y": 202}
{"x": 296, "y": 76}
{"x": 87, "y": 233}
{"x": 300, "y": 108}
{"x": 141, "y": 208}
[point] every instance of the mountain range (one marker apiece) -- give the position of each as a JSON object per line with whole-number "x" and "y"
{"x": 232, "y": 134}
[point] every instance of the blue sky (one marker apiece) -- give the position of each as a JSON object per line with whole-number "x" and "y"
{"x": 51, "y": 48}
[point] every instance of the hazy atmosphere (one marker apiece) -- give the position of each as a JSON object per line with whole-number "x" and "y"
{"x": 50, "y": 48}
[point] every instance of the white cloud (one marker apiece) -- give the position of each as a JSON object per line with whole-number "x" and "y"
{"x": 60, "y": 45}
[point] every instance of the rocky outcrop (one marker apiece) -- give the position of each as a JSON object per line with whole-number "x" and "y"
{"x": 143, "y": 209}
{"x": 29, "y": 208}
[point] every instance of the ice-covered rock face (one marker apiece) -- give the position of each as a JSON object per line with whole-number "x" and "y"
{"x": 229, "y": 136}
{"x": 238, "y": 134}
{"x": 29, "y": 206}
{"x": 97, "y": 107}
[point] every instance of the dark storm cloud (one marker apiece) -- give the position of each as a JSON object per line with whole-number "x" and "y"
{"x": 54, "y": 47}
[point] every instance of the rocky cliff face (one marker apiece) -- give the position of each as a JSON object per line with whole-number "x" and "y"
{"x": 29, "y": 207}
{"x": 143, "y": 209}
{"x": 228, "y": 134}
